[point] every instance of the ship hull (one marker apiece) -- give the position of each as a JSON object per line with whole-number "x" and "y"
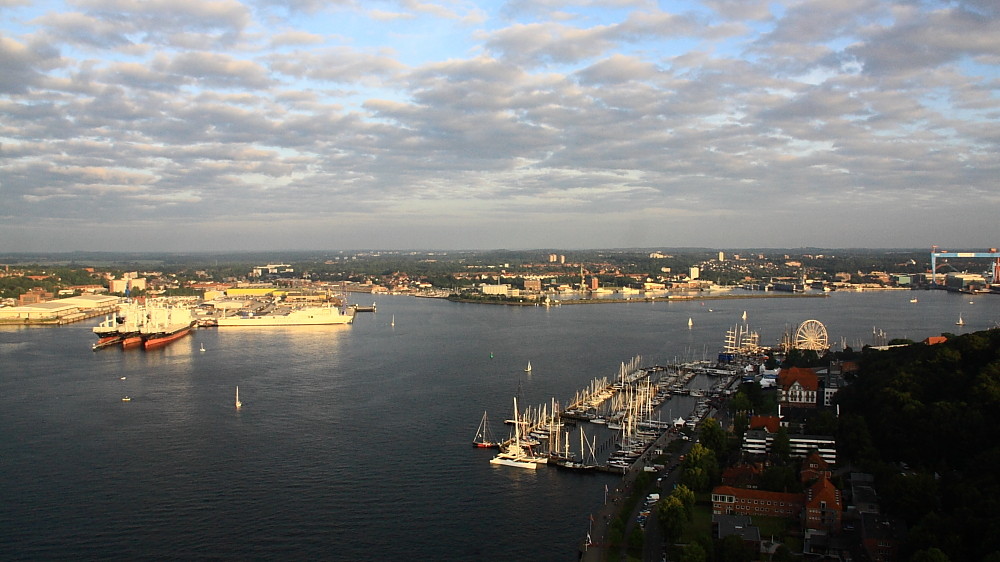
{"x": 154, "y": 341}
{"x": 302, "y": 317}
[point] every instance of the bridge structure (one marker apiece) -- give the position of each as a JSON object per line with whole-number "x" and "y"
{"x": 992, "y": 254}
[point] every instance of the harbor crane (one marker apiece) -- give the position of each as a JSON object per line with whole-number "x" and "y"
{"x": 992, "y": 254}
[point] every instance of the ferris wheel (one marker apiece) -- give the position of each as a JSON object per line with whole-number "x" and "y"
{"x": 812, "y": 335}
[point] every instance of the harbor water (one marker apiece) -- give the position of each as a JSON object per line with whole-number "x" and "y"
{"x": 353, "y": 442}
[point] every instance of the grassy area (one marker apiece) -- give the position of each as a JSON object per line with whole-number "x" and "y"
{"x": 701, "y": 524}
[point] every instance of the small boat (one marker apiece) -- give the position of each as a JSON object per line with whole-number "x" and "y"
{"x": 744, "y": 316}
{"x": 202, "y": 347}
{"x": 690, "y": 322}
{"x": 960, "y": 322}
{"x": 914, "y": 299}
{"x": 484, "y": 437}
{"x": 126, "y": 399}
{"x": 238, "y": 403}
{"x": 528, "y": 368}
{"x": 393, "y": 321}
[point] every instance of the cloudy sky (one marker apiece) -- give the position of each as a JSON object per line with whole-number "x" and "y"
{"x": 185, "y": 125}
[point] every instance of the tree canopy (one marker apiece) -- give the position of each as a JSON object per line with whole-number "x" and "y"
{"x": 921, "y": 418}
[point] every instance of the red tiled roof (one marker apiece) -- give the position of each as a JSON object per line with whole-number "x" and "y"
{"x": 823, "y": 491}
{"x": 806, "y": 378}
{"x": 769, "y": 423}
{"x": 814, "y": 458}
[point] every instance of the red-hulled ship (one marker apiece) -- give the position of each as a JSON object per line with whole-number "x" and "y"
{"x": 160, "y": 339}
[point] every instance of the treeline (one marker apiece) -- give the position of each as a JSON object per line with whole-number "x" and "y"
{"x": 922, "y": 418}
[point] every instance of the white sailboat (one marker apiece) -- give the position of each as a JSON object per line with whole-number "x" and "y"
{"x": 393, "y": 321}
{"x": 960, "y": 321}
{"x": 515, "y": 454}
{"x": 744, "y": 316}
{"x": 528, "y": 368}
{"x": 238, "y": 403}
{"x": 690, "y": 322}
{"x": 202, "y": 347}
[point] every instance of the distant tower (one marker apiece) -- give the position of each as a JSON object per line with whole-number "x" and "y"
{"x": 694, "y": 272}
{"x": 722, "y": 256}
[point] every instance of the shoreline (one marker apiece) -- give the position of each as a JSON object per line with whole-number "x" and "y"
{"x": 676, "y": 298}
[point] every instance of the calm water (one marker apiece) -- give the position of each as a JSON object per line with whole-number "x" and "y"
{"x": 353, "y": 442}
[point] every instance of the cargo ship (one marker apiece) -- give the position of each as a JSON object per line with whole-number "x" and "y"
{"x": 148, "y": 327}
{"x": 162, "y": 338}
{"x": 165, "y": 325}
{"x": 119, "y": 328}
{"x": 305, "y": 316}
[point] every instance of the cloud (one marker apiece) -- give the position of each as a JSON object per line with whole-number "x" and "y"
{"x": 215, "y": 70}
{"x": 24, "y": 66}
{"x": 553, "y": 121}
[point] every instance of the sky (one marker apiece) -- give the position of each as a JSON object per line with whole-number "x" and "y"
{"x": 226, "y": 125}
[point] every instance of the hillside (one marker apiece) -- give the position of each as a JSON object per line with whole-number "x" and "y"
{"x": 921, "y": 418}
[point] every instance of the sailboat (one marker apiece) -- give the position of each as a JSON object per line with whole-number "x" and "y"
{"x": 393, "y": 321}
{"x": 484, "y": 437}
{"x": 528, "y": 368}
{"x": 960, "y": 321}
{"x": 516, "y": 455}
{"x": 238, "y": 403}
{"x": 744, "y": 316}
{"x": 690, "y": 322}
{"x": 202, "y": 347}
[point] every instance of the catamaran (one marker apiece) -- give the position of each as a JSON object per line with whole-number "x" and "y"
{"x": 516, "y": 455}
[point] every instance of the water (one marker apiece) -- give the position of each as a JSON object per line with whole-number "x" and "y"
{"x": 353, "y": 442}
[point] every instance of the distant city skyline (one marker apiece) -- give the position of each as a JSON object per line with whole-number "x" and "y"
{"x": 266, "y": 125}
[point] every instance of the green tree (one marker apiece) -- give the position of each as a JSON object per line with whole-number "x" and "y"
{"x": 930, "y": 555}
{"x": 694, "y": 553}
{"x": 700, "y": 468}
{"x": 781, "y": 447}
{"x": 672, "y": 517}
{"x": 712, "y": 436}
{"x": 732, "y": 548}
{"x": 740, "y": 402}
{"x": 687, "y": 498}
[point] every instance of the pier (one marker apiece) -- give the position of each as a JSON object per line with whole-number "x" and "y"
{"x": 621, "y": 414}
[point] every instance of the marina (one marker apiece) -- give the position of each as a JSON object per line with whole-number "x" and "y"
{"x": 309, "y": 464}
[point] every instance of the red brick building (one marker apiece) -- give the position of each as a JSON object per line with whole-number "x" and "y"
{"x": 813, "y": 468}
{"x": 824, "y": 506}
{"x": 728, "y": 500}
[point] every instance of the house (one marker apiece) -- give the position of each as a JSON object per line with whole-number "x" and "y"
{"x": 797, "y": 387}
{"x": 771, "y": 424}
{"x": 813, "y": 468}
{"x": 742, "y": 476}
{"x": 824, "y": 506}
